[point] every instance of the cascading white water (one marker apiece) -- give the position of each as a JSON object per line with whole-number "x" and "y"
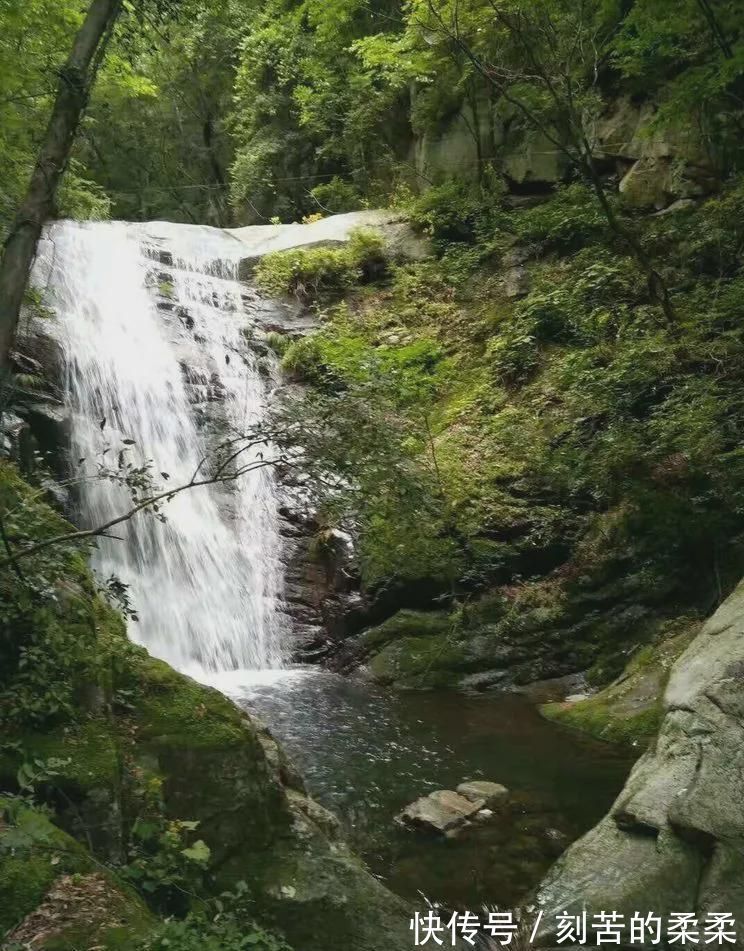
{"x": 207, "y": 582}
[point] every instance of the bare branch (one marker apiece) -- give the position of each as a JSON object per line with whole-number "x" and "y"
{"x": 67, "y": 538}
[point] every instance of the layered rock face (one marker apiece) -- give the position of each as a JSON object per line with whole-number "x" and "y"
{"x": 674, "y": 840}
{"x": 653, "y": 169}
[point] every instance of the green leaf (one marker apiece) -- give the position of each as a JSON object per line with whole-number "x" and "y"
{"x": 199, "y": 852}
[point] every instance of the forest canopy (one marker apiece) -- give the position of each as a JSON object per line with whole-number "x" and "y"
{"x": 245, "y": 110}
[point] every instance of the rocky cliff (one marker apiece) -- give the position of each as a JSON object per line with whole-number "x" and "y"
{"x": 653, "y": 168}
{"x": 674, "y": 840}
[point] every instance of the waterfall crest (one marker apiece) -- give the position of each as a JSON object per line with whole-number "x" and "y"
{"x": 170, "y": 371}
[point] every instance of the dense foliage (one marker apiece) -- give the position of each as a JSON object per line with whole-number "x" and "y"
{"x": 568, "y": 430}
{"x": 245, "y": 110}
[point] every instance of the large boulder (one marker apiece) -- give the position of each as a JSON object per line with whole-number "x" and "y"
{"x": 674, "y": 840}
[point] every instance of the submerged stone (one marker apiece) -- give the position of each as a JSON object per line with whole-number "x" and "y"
{"x": 441, "y": 811}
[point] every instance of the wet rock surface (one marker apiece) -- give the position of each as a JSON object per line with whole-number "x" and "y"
{"x": 477, "y": 790}
{"x": 440, "y": 811}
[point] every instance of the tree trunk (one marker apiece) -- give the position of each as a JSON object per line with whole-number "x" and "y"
{"x": 75, "y": 82}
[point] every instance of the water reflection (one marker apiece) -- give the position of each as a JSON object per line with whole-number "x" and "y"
{"x": 366, "y": 753}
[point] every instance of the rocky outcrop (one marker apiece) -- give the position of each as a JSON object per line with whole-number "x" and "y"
{"x": 36, "y": 434}
{"x": 674, "y": 840}
{"x": 656, "y": 166}
{"x": 500, "y": 641}
{"x": 400, "y": 241}
{"x": 321, "y": 594}
{"x": 653, "y": 166}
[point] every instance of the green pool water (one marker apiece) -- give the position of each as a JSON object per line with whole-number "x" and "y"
{"x": 366, "y": 753}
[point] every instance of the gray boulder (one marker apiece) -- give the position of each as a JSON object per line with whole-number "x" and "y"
{"x": 674, "y": 840}
{"x": 492, "y": 794}
{"x": 441, "y": 811}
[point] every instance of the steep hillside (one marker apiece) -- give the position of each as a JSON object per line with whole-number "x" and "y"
{"x": 541, "y": 460}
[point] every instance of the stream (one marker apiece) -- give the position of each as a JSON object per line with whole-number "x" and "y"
{"x": 365, "y": 753}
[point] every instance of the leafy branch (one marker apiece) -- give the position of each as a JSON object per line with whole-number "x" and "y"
{"x": 228, "y": 469}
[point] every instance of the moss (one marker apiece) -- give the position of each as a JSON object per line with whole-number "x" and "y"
{"x": 420, "y": 662}
{"x": 408, "y": 624}
{"x": 82, "y": 909}
{"x": 89, "y": 749}
{"x": 33, "y": 853}
{"x": 166, "y": 289}
{"x": 600, "y": 719}
{"x": 23, "y": 884}
{"x": 630, "y": 710}
{"x": 416, "y": 649}
{"x": 173, "y": 706}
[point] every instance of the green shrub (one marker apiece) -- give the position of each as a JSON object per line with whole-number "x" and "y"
{"x": 308, "y": 273}
{"x": 277, "y": 342}
{"x": 571, "y": 219}
{"x": 337, "y": 196}
{"x": 304, "y": 359}
{"x": 586, "y": 299}
{"x": 457, "y": 210}
{"x": 513, "y": 352}
{"x": 710, "y": 239}
{"x": 367, "y": 251}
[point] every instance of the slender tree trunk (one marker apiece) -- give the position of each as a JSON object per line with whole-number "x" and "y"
{"x": 75, "y": 82}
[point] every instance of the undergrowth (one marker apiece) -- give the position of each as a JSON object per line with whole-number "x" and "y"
{"x": 308, "y": 273}
{"x": 566, "y": 413}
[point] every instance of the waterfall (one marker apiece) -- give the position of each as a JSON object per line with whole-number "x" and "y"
{"x": 151, "y": 322}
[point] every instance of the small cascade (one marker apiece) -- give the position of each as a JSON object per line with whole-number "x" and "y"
{"x": 150, "y": 319}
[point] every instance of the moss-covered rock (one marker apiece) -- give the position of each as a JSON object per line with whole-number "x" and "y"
{"x": 54, "y": 894}
{"x": 419, "y": 662}
{"x": 630, "y": 709}
{"x": 542, "y": 631}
